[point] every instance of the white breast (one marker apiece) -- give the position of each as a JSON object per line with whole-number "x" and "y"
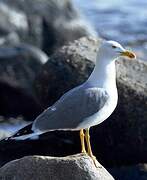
{"x": 102, "y": 114}
{"x": 103, "y": 76}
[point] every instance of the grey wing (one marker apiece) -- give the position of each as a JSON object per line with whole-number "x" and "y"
{"x": 71, "y": 109}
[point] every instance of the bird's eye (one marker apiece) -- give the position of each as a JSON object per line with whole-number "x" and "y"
{"x": 114, "y": 47}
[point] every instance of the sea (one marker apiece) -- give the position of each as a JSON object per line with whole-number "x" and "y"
{"x": 122, "y": 20}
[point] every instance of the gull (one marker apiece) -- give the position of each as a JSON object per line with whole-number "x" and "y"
{"x": 86, "y": 105}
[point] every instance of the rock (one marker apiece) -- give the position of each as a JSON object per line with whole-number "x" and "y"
{"x": 16, "y": 101}
{"x": 9, "y": 39}
{"x": 135, "y": 172}
{"x": 47, "y": 24}
{"x": 20, "y": 64}
{"x": 55, "y": 143}
{"x": 74, "y": 167}
{"x": 122, "y": 138}
{"x": 12, "y": 24}
{"x": 65, "y": 69}
{"x": 18, "y": 68}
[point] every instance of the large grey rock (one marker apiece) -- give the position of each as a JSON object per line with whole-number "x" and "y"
{"x": 20, "y": 64}
{"x": 76, "y": 167}
{"x": 13, "y": 25}
{"x": 18, "y": 68}
{"x": 65, "y": 69}
{"x": 122, "y": 138}
{"x": 47, "y": 24}
{"x": 134, "y": 172}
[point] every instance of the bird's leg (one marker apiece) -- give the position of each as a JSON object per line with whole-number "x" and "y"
{"x": 87, "y": 137}
{"x": 82, "y": 135}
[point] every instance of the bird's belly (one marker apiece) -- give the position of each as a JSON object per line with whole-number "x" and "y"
{"x": 101, "y": 115}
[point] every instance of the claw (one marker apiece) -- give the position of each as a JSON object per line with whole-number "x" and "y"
{"x": 96, "y": 163}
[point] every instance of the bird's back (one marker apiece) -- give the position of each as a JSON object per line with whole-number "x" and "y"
{"x": 72, "y": 109}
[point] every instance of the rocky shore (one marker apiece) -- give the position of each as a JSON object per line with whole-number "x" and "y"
{"x": 43, "y": 57}
{"x": 75, "y": 167}
{"x": 29, "y": 31}
{"x": 119, "y": 141}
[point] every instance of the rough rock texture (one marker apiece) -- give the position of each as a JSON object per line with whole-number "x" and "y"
{"x": 20, "y": 64}
{"x": 12, "y": 23}
{"x": 77, "y": 167}
{"x": 18, "y": 68}
{"x": 65, "y": 69}
{"x": 47, "y": 24}
{"x": 122, "y": 138}
{"x": 16, "y": 101}
{"x": 134, "y": 172}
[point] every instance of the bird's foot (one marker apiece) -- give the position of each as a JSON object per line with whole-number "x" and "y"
{"x": 83, "y": 151}
{"x": 96, "y": 163}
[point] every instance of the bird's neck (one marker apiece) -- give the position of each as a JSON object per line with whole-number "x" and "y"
{"x": 103, "y": 75}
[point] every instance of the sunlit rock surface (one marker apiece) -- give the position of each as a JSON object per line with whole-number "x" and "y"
{"x": 76, "y": 167}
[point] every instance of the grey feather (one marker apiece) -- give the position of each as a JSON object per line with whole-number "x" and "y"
{"x": 72, "y": 109}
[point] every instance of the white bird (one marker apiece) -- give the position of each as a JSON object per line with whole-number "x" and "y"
{"x": 86, "y": 105}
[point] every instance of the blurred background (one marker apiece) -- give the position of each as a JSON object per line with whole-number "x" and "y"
{"x": 124, "y": 21}
{"x": 35, "y": 71}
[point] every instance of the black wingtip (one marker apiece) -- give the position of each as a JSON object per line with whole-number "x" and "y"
{"x": 24, "y": 131}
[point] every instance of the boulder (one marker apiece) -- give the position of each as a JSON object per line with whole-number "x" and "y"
{"x": 17, "y": 101}
{"x": 13, "y": 25}
{"x": 20, "y": 64}
{"x": 74, "y": 167}
{"x": 47, "y": 24}
{"x": 121, "y": 139}
{"x": 135, "y": 172}
{"x": 18, "y": 67}
{"x": 65, "y": 69}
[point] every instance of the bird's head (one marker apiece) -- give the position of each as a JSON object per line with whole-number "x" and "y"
{"x": 114, "y": 50}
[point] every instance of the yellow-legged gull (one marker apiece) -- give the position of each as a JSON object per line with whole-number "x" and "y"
{"x": 86, "y": 105}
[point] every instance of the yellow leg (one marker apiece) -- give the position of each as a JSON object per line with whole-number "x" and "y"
{"x": 87, "y": 136}
{"x": 82, "y": 135}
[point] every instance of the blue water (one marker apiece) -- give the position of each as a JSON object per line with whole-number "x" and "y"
{"x": 121, "y": 20}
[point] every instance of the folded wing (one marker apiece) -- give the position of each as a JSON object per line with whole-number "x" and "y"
{"x": 72, "y": 109}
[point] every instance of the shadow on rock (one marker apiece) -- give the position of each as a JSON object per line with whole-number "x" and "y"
{"x": 15, "y": 101}
{"x": 18, "y": 68}
{"x": 47, "y": 24}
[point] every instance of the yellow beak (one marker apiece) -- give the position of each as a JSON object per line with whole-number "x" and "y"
{"x": 128, "y": 54}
